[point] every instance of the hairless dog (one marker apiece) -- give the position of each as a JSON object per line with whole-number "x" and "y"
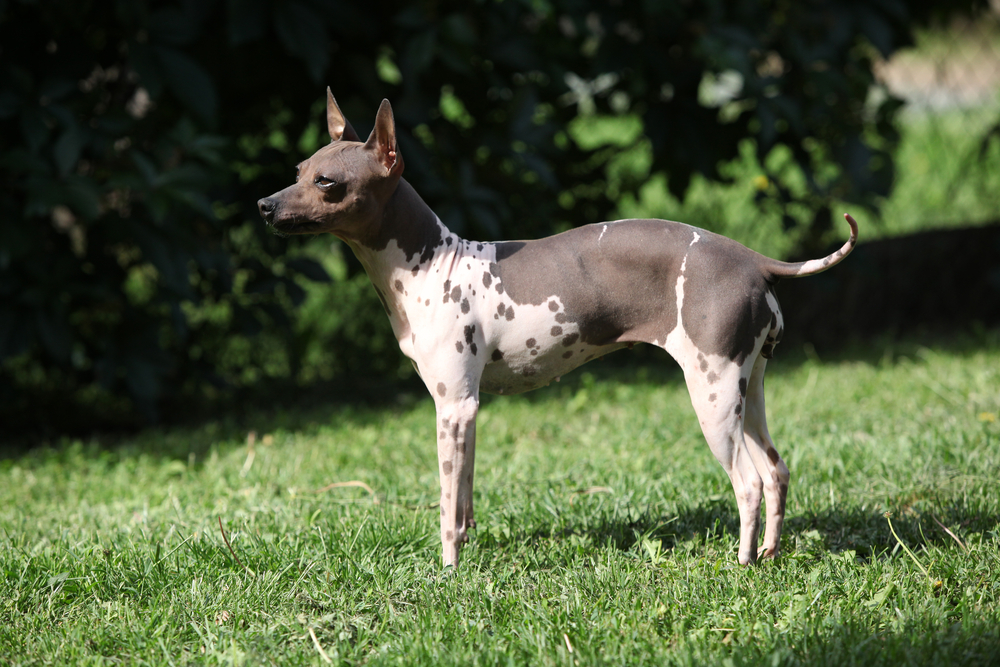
{"x": 511, "y": 316}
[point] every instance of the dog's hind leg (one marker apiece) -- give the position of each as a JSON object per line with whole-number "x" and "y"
{"x": 719, "y": 404}
{"x": 771, "y": 468}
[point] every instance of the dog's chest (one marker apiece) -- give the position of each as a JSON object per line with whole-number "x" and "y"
{"x": 454, "y": 313}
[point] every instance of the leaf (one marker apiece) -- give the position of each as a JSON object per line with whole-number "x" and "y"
{"x": 172, "y": 25}
{"x": 83, "y": 196}
{"x": 9, "y": 103}
{"x": 15, "y": 333}
{"x": 418, "y": 54}
{"x": 68, "y": 147}
{"x": 304, "y": 35}
{"x": 33, "y": 128}
{"x": 54, "y": 331}
{"x": 189, "y": 82}
{"x": 247, "y": 20}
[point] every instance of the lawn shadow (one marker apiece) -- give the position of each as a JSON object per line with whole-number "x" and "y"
{"x": 623, "y": 530}
{"x": 868, "y": 533}
{"x": 372, "y": 403}
{"x": 863, "y": 531}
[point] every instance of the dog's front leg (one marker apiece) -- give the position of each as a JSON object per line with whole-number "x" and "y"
{"x": 456, "y": 441}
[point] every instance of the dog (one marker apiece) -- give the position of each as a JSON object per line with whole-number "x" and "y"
{"x": 512, "y": 316}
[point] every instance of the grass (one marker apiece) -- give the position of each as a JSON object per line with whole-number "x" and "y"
{"x": 607, "y": 532}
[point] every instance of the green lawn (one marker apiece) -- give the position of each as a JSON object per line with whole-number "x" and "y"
{"x": 607, "y": 532}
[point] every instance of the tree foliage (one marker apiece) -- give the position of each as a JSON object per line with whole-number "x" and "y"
{"x": 136, "y": 137}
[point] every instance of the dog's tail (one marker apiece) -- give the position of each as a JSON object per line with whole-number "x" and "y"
{"x": 780, "y": 269}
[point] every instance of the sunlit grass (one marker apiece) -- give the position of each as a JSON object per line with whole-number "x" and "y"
{"x": 607, "y": 532}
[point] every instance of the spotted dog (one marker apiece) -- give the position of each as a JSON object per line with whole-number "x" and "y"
{"x": 511, "y": 316}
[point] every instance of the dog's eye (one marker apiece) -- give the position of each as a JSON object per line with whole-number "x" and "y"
{"x": 324, "y": 182}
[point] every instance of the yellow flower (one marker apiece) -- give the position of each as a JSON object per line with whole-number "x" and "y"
{"x": 987, "y": 417}
{"x": 760, "y": 182}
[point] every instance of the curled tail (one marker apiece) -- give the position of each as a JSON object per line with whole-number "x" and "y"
{"x": 813, "y": 266}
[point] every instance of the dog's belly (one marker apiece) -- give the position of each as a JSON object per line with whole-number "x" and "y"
{"x": 522, "y": 371}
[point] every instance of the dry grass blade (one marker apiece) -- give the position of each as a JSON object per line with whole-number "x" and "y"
{"x": 319, "y": 648}
{"x": 235, "y": 557}
{"x": 589, "y": 491}
{"x": 951, "y": 534}
{"x": 353, "y": 482}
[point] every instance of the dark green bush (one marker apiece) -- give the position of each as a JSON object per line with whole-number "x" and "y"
{"x": 136, "y": 137}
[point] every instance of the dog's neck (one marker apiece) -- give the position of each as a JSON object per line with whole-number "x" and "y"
{"x": 406, "y": 222}
{"x": 408, "y": 246}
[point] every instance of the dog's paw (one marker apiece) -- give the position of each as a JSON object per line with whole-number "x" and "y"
{"x": 767, "y": 554}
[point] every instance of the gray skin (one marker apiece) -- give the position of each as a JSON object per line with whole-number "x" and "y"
{"x": 512, "y": 316}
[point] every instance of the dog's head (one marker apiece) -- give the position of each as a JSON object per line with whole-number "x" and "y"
{"x": 344, "y": 186}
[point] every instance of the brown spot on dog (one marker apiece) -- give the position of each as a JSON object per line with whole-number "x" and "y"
{"x": 472, "y": 348}
{"x": 447, "y": 467}
{"x": 447, "y": 286}
{"x": 534, "y": 352}
{"x": 398, "y": 285}
{"x": 553, "y": 306}
{"x": 739, "y": 408}
{"x": 711, "y": 398}
{"x": 465, "y": 306}
{"x": 703, "y": 362}
{"x": 415, "y": 270}
{"x": 454, "y": 430}
{"x": 456, "y": 294}
{"x": 531, "y": 342}
{"x": 772, "y": 454}
{"x": 501, "y": 309}
{"x": 556, "y": 331}
{"x": 470, "y": 329}
{"x": 450, "y": 535}
{"x": 487, "y": 279}
{"x": 442, "y": 435}
{"x": 510, "y": 313}
{"x": 712, "y": 377}
{"x": 497, "y": 355}
{"x": 743, "y": 387}
{"x": 570, "y": 339}
{"x": 499, "y": 288}
{"x": 442, "y": 389}
{"x": 567, "y": 355}
{"x": 561, "y": 318}
{"x": 459, "y": 346}
{"x": 427, "y": 302}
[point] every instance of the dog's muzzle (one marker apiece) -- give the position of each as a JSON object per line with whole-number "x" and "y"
{"x": 267, "y": 207}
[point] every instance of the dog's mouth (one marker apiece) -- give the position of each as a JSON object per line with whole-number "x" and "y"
{"x": 295, "y": 226}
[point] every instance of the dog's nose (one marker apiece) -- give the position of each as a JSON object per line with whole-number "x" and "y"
{"x": 266, "y": 207}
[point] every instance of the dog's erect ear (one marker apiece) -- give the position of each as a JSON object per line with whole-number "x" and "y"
{"x": 337, "y": 123}
{"x": 382, "y": 140}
